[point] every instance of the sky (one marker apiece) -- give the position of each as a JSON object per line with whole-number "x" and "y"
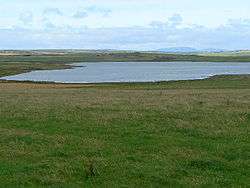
{"x": 124, "y": 24}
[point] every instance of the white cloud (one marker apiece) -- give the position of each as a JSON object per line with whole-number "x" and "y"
{"x": 95, "y": 10}
{"x": 172, "y": 22}
{"x": 125, "y": 24}
{"x": 233, "y": 35}
{"x": 26, "y": 17}
{"x": 99, "y": 10}
{"x": 52, "y": 11}
{"x": 80, "y": 14}
{"x": 175, "y": 20}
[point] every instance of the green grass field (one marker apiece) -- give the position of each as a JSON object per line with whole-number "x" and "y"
{"x": 239, "y": 53}
{"x": 113, "y": 56}
{"x": 189, "y": 133}
{"x": 168, "y": 134}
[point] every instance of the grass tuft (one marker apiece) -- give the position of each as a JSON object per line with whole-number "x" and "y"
{"x": 90, "y": 170}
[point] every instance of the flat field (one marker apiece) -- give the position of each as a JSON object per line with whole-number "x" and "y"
{"x": 173, "y": 134}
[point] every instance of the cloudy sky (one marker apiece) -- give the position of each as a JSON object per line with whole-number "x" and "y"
{"x": 124, "y": 24}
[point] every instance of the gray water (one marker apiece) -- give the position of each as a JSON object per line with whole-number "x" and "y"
{"x": 134, "y": 72}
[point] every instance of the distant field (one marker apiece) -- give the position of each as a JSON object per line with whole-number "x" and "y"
{"x": 233, "y": 53}
{"x": 99, "y": 56}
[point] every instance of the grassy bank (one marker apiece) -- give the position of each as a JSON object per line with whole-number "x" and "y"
{"x": 13, "y": 68}
{"x": 188, "y": 133}
{"x": 97, "y": 56}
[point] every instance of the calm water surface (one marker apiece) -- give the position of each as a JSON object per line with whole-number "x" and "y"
{"x": 134, "y": 72}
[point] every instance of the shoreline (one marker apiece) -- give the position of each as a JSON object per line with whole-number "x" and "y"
{"x": 126, "y": 83}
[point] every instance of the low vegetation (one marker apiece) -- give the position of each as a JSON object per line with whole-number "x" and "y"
{"x": 13, "y": 68}
{"x": 113, "y": 56}
{"x": 179, "y": 134}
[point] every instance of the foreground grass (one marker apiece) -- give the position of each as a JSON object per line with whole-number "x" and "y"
{"x": 189, "y": 133}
